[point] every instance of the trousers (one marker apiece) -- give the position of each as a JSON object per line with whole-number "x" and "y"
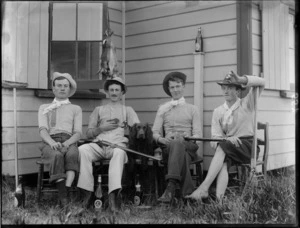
{"x": 58, "y": 161}
{"x": 88, "y": 153}
{"x": 179, "y": 155}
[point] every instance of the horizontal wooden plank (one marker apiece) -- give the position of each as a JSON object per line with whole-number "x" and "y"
{"x": 182, "y": 20}
{"x": 281, "y": 160}
{"x": 115, "y": 11}
{"x": 146, "y": 117}
{"x": 256, "y": 42}
{"x": 26, "y": 101}
{"x": 25, "y": 150}
{"x": 256, "y": 57}
{"x": 181, "y": 48}
{"x": 276, "y": 117}
{"x": 155, "y": 91}
{"x": 154, "y": 78}
{"x": 150, "y": 104}
{"x": 136, "y": 5}
{"x": 281, "y": 146}
{"x": 171, "y": 8}
{"x": 256, "y": 27}
{"x": 116, "y": 5}
{"x": 30, "y": 119}
{"x": 25, "y": 166}
{"x": 186, "y": 61}
{"x": 274, "y": 103}
{"x": 217, "y": 29}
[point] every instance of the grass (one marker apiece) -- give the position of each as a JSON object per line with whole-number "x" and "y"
{"x": 272, "y": 202}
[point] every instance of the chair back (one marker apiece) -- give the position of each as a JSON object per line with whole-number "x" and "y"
{"x": 265, "y": 144}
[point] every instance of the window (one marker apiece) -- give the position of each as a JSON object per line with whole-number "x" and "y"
{"x": 278, "y": 44}
{"x": 76, "y": 39}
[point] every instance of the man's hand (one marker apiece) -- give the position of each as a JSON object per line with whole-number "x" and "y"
{"x": 235, "y": 140}
{"x": 56, "y": 145}
{"x": 108, "y": 125}
{"x": 234, "y": 77}
{"x": 165, "y": 141}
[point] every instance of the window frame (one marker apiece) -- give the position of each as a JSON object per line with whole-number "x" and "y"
{"x": 85, "y": 84}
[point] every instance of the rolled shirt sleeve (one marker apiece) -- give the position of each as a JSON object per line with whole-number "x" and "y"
{"x": 78, "y": 121}
{"x": 216, "y": 129}
{"x": 42, "y": 119}
{"x": 132, "y": 117}
{"x": 93, "y": 123}
{"x": 157, "y": 125}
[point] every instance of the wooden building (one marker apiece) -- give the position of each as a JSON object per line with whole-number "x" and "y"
{"x": 152, "y": 38}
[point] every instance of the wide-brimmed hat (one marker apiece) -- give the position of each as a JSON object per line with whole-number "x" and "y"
{"x": 115, "y": 80}
{"x": 73, "y": 84}
{"x": 180, "y": 75}
{"x": 228, "y": 81}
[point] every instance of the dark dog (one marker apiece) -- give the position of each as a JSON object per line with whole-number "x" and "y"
{"x": 141, "y": 140}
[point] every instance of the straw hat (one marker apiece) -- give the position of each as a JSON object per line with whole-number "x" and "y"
{"x": 67, "y": 76}
{"x": 115, "y": 80}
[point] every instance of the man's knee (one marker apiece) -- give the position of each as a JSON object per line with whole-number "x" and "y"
{"x": 84, "y": 150}
{"x": 120, "y": 154}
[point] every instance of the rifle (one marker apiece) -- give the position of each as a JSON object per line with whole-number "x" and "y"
{"x": 106, "y": 143}
{"x": 203, "y": 139}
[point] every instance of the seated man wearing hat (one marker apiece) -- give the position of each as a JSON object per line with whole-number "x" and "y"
{"x": 176, "y": 119}
{"x": 234, "y": 121}
{"x": 106, "y": 123}
{"x": 60, "y": 126}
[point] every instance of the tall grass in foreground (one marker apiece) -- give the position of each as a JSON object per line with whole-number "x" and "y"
{"x": 272, "y": 202}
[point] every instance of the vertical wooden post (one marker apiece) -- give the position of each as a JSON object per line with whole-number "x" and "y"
{"x": 198, "y": 90}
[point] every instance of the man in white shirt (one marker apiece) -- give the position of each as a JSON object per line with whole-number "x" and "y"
{"x": 107, "y": 123}
{"x": 234, "y": 121}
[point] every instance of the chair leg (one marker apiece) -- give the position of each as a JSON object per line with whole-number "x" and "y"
{"x": 39, "y": 182}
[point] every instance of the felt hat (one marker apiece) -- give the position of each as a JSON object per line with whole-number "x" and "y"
{"x": 180, "y": 75}
{"x": 115, "y": 80}
{"x": 73, "y": 84}
{"x": 228, "y": 81}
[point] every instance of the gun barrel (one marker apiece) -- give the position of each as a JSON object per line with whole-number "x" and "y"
{"x": 204, "y": 139}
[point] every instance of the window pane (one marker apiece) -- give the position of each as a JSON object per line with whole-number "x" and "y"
{"x": 90, "y": 21}
{"x": 89, "y": 54}
{"x": 63, "y": 57}
{"x": 64, "y": 21}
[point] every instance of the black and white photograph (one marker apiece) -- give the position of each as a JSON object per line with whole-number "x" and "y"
{"x": 149, "y": 112}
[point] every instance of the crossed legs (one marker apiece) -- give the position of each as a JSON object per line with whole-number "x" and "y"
{"x": 217, "y": 169}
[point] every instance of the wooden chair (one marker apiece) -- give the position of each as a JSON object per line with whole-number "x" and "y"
{"x": 242, "y": 172}
{"x": 43, "y": 184}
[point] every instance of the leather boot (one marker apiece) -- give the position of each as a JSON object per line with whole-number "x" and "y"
{"x": 62, "y": 193}
{"x": 169, "y": 193}
{"x": 85, "y": 197}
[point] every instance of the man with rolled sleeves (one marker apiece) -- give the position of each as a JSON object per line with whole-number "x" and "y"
{"x": 60, "y": 127}
{"x": 232, "y": 121}
{"x": 106, "y": 123}
{"x": 177, "y": 118}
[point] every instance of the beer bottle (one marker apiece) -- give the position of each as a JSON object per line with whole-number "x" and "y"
{"x": 199, "y": 41}
{"x": 99, "y": 195}
{"x": 19, "y": 195}
{"x": 138, "y": 192}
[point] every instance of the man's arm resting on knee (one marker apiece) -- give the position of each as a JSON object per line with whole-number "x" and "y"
{"x": 47, "y": 139}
